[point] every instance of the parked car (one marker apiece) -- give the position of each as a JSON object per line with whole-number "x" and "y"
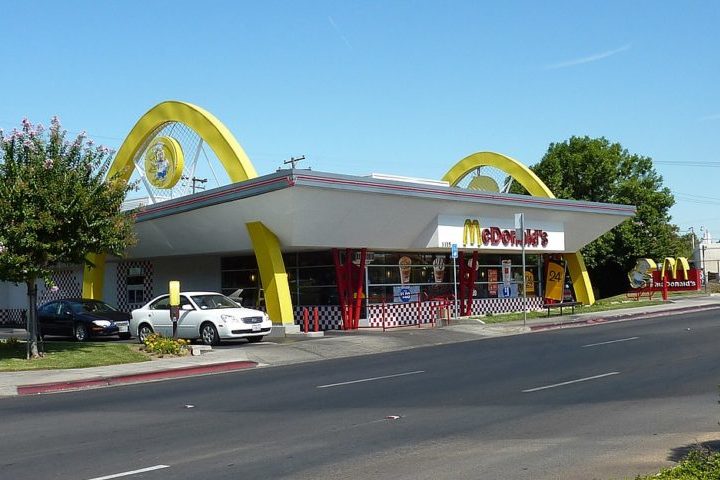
{"x": 82, "y": 319}
{"x": 208, "y": 316}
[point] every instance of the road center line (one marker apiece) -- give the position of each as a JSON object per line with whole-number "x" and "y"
{"x": 594, "y": 377}
{"x": 611, "y": 341}
{"x": 133, "y": 472}
{"x": 369, "y": 380}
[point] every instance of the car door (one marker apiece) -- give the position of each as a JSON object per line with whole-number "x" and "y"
{"x": 159, "y": 316}
{"x": 189, "y": 321}
{"x": 47, "y": 318}
{"x": 65, "y": 319}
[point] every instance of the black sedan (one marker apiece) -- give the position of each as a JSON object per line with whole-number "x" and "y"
{"x": 82, "y": 318}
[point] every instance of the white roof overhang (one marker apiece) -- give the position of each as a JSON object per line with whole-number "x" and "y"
{"x": 311, "y": 210}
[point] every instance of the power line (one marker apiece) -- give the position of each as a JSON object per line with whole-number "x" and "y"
{"x": 688, "y": 164}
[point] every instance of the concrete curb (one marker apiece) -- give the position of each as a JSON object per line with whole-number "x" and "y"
{"x": 71, "y": 385}
{"x": 620, "y": 318}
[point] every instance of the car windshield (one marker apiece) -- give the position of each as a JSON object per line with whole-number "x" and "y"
{"x": 213, "y": 301}
{"x": 91, "y": 306}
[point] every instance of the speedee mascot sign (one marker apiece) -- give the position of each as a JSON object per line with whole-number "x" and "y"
{"x": 675, "y": 275}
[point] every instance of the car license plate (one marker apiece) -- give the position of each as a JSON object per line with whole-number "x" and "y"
{"x": 256, "y": 328}
{"x": 123, "y": 328}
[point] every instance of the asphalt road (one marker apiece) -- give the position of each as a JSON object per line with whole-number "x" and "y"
{"x": 609, "y": 401}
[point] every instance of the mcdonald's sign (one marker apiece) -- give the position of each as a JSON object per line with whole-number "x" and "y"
{"x": 677, "y": 271}
{"x": 475, "y": 236}
{"x": 471, "y": 232}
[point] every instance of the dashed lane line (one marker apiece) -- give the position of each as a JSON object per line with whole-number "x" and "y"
{"x": 594, "y": 377}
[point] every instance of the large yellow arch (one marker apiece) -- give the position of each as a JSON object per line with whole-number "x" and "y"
{"x": 537, "y": 188}
{"x": 238, "y": 167}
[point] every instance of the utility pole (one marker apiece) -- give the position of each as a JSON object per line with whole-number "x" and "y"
{"x": 293, "y": 161}
{"x": 195, "y": 181}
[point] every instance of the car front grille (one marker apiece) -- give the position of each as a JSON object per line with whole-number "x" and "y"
{"x": 252, "y": 320}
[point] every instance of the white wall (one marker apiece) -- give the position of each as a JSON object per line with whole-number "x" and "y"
{"x": 193, "y": 273}
{"x": 110, "y": 293}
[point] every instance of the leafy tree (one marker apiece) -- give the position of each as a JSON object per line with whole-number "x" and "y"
{"x": 593, "y": 169}
{"x": 55, "y": 207}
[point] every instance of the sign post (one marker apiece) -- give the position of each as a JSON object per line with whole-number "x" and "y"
{"x": 520, "y": 236}
{"x": 454, "y": 255}
{"x": 174, "y": 290}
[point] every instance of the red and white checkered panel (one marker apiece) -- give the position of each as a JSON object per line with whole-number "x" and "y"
{"x": 123, "y": 271}
{"x": 404, "y": 314}
{"x": 13, "y": 317}
{"x": 67, "y": 284}
{"x": 483, "y": 306}
{"x": 329, "y": 316}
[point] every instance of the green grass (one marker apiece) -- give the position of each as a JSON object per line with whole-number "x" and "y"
{"x": 61, "y": 355}
{"x": 605, "y": 304}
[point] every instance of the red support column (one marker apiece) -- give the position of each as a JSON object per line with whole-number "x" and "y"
{"x": 348, "y": 289}
{"x": 305, "y": 320}
{"x": 359, "y": 288}
{"x": 316, "y": 320}
{"x": 471, "y": 283}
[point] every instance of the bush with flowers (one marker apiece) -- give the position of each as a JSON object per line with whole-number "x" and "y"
{"x": 158, "y": 345}
{"x": 59, "y": 200}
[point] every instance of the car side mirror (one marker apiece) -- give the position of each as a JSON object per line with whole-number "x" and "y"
{"x": 187, "y": 307}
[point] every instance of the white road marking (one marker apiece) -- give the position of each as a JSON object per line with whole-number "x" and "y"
{"x": 594, "y": 377}
{"x": 611, "y": 341}
{"x": 134, "y": 472}
{"x": 371, "y": 379}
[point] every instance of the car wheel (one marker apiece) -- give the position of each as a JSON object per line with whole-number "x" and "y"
{"x": 124, "y": 336}
{"x": 209, "y": 334}
{"x": 255, "y": 339}
{"x": 80, "y": 332}
{"x": 144, "y": 331}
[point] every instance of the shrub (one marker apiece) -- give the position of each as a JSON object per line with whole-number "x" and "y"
{"x": 159, "y": 345}
{"x": 699, "y": 464}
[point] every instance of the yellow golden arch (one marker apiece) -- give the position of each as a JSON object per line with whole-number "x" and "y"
{"x": 239, "y": 168}
{"x": 534, "y": 186}
{"x": 265, "y": 243}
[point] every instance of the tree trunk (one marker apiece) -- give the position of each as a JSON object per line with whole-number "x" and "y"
{"x": 31, "y": 325}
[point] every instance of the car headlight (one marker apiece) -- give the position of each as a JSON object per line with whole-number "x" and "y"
{"x": 102, "y": 323}
{"x": 228, "y": 318}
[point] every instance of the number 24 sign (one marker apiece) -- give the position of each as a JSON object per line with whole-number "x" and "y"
{"x": 554, "y": 281}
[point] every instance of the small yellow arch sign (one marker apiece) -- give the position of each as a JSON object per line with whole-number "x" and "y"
{"x": 536, "y": 187}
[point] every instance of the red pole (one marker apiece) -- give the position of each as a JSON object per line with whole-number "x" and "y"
{"x": 348, "y": 289}
{"x": 665, "y": 288}
{"x": 359, "y": 288}
{"x": 316, "y": 321}
{"x": 418, "y": 311}
{"x": 306, "y": 316}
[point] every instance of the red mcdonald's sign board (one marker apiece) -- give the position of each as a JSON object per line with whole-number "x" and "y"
{"x": 693, "y": 282}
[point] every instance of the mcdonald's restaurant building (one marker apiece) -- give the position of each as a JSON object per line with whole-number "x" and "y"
{"x": 367, "y": 251}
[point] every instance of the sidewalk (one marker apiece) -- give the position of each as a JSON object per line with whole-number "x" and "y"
{"x": 298, "y": 349}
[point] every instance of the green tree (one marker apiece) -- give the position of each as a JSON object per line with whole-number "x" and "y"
{"x": 584, "y": 168}
{"x": 56, "y": 206}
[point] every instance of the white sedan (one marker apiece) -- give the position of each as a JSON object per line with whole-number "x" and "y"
{"x": 205, "y": 315}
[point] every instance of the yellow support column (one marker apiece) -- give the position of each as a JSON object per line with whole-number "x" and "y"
{"x": 272, "y": 274}
{"x": 92, "y": 283}
{"x": 580, "y": 278}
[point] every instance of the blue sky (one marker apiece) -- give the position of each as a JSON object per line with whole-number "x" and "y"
{"x": 399, "y": 87}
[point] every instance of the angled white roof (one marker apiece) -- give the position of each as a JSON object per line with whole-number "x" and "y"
{"x": 310, "y": 210}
